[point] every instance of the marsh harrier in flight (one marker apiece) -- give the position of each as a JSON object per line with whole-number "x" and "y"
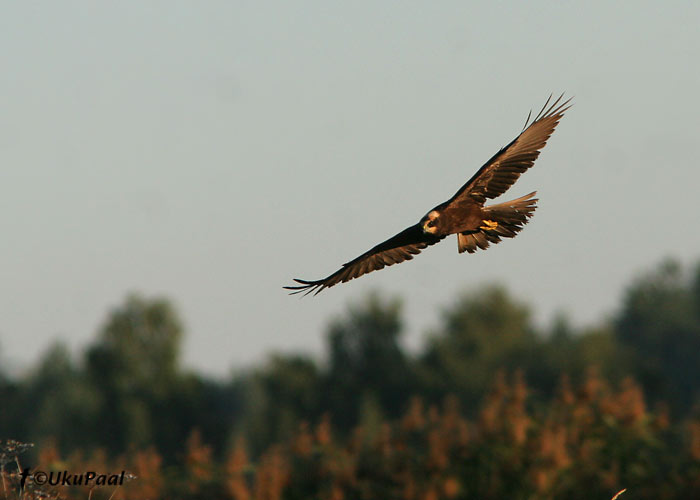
{"x": 465, "y": 214}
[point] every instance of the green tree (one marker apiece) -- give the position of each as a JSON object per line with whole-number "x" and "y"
{"x": 568, "y": 351}
{"x": 60, "y": 403}
{"x": 481, "y": 334}
{"x": 12, "y": 423}
{"x": 366, "y": 361}
{"x": 276, "y": 398}
{"x": 134, "y": 367}
{"x": 660, "y": 326}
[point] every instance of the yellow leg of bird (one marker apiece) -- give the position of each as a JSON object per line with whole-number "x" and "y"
{"x": 489, "y": 225}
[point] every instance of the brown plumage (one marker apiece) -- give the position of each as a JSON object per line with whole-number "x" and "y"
{"x": 464, "y": 214}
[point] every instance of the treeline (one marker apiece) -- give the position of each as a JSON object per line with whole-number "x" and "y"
{"x": 128, "y": 391}
{"x": 587, "y": 442}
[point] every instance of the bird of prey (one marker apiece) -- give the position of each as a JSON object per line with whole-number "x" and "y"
{"x": 465, "y": 214}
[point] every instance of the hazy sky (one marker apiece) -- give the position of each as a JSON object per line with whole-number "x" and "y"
{"x": 211, "y": 151}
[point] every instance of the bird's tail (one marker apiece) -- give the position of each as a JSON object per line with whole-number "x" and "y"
{"x": 503, "y": 220}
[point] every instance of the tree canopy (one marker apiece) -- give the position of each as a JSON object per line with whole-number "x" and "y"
{"x": 128, "y": 389}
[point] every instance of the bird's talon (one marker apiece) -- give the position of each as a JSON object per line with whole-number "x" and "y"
{"x": 489, "y": 225}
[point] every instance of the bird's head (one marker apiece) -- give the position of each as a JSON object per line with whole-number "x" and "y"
{"x": 429, "y": 222}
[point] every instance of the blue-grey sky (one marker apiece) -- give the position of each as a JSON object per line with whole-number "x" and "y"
{"x": 212, "y": 151}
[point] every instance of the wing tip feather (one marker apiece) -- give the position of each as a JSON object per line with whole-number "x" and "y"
{"x": 306, "y": 287}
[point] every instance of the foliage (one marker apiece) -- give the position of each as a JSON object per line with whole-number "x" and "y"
{"x": 126, "y": 401}
{"x": 660, "y": 325}
{"x": 367, "y": 365}
{"x": 588, "y": 441}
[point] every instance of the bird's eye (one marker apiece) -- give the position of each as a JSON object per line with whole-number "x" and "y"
{"x": 431, "y": 223}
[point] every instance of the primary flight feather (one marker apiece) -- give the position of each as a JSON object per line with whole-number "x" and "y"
{"x": 465, "y": 214}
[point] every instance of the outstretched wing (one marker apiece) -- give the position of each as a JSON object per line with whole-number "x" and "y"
{"x": 504, "y": 168}
{"x": 396, "y": 249}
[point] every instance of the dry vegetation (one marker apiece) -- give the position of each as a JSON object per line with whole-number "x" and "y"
{"x": 372, "y": 420}
{"x": 588, "y": 442}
